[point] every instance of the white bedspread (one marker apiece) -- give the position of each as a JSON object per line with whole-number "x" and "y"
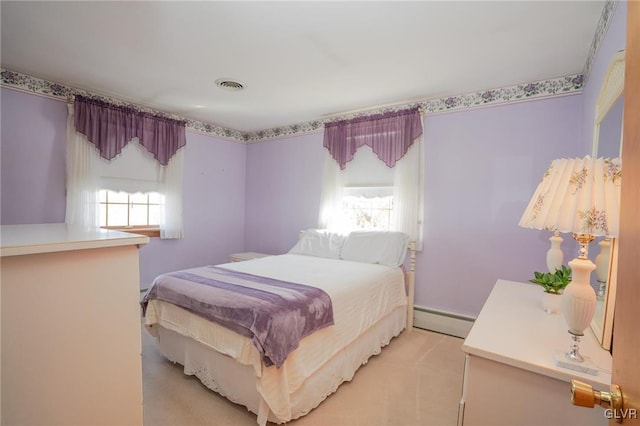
{"x": 361, "y": 294}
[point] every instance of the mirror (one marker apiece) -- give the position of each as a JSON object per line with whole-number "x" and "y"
{"x": 607, "y": 142}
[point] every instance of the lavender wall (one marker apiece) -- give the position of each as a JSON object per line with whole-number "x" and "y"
{"x": 284, "y": 179}
{"x": 482, "y": 166}
{"x": 614, "y": 40}
{"x": 33, "y": 158}
{"x": 33, "y": 185}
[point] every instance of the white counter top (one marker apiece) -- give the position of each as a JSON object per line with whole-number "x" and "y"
{"x": 513, "y": 329}
{"x": 53, "y": 237}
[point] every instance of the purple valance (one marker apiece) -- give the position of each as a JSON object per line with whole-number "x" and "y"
{"x": 389, "y": 135}
{"x": 111, "y": 127}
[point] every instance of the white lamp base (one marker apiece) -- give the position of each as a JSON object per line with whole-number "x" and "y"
{"x": 579, "y": 301}
{"x": 555, "y": 255}
{"x": 602, "y": 260}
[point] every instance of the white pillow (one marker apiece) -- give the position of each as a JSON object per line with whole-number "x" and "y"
{"x": 319, "y": 243}
{"x": 386, "y": 248}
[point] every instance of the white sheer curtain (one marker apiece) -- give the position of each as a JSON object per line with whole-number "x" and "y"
{"x": 408, "y": 193}
{"x": 134, "y": 170}
{"x": 82, "y": 185}
{"x": 171, "y": 212}
{"x": 331, "y": 216}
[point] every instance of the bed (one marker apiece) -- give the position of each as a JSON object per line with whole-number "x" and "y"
{"x": 371, "y": 297}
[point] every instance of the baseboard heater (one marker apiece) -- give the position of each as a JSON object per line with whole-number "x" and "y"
{"x": 442, "y": 322}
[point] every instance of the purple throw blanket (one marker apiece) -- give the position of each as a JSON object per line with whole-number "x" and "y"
{"x": 274, "y": 314}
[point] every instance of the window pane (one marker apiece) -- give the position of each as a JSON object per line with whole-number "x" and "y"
{"x": 118, "y": 197}
{"x": 154, "y": 198}
{"x": 154, "y": 215}
{"x": 138, "y": 198}
{"x": 117, "y": 214}
{"x": 384, "y": 203}
{"x": 368, "y": 213}
{"x": 102, "y": 196}
{"x": 380, "y": 219}
{"x": 130, "y": 209}
{"x": 138, "y": 215}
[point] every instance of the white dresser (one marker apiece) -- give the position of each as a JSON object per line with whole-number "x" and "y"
{"x": 511, "y": 377}
{"x": 70, "y": 326}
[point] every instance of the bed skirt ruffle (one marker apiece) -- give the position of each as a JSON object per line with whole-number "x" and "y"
{"x": 241, "y": 384}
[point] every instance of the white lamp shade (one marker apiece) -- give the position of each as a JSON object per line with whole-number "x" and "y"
{"x": 579, "y": 195}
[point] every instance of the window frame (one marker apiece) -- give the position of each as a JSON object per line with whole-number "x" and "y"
{"x": 147, "y": 230}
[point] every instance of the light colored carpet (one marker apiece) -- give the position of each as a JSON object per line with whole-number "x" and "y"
{"x": 416, "y": 380}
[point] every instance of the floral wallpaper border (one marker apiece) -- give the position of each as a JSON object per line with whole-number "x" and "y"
{"x": 538, "y": 89}
{"x": 601, "y": 30}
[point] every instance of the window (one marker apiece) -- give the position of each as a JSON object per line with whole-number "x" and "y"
{"x": 139, "y": 213}
{"x": 124, "y": 163}
{"x": 368, "y": 195}
{"x": 368, "y": 208}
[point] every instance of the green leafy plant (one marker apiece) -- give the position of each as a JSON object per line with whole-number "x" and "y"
{"x": 553, "y": 282}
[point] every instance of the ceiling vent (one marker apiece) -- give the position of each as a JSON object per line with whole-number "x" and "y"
{"x": 229, "y": 84}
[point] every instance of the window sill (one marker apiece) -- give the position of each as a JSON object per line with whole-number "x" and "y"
{"x": 147, "y": 231}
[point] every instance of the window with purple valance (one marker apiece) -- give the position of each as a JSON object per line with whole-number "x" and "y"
{"x": 389, "y": 135}
{"x": 111, "y": 127}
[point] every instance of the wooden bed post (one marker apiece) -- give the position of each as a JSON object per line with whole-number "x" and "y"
{"x": 411, "y": 283}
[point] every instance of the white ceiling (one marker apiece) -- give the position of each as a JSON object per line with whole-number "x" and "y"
{"x": 299, "y": 61}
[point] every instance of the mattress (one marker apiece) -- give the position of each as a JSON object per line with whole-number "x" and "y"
{"x": 363, "y": 296}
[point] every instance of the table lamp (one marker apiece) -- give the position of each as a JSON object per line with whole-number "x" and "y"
{"x": 581, "y": 196}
